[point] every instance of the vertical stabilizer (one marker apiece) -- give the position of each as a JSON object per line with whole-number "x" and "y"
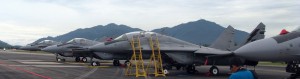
{"x": 225, "y": 40}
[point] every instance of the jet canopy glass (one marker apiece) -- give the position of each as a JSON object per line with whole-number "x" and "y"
{"x": 45, "y": 42}
{"x": 297, "y": 29}
{"x": 76, "y": 40}
{"x": 131, "y": 34}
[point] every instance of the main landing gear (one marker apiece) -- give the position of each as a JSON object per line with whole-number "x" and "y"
{"x": 59, "y": 59}
{"x": 191, "y": 69}
{"x": 83, "y": 59}
{"x": 214, "y": 70}
{"x": 293, "y": 67}
{"x": 116, "y": 62}
{"x": 95, "y": 63}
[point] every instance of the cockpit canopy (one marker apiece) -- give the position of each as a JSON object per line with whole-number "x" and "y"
{"x": 297, "y": 29}
{"x": 46, "y": 42}
{"x": 77, "y": 40}
{"x": 132, "y": 34}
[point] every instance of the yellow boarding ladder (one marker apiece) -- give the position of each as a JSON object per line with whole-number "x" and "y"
{"x": 155, "y": 59}
{"x": 136, "y": 58}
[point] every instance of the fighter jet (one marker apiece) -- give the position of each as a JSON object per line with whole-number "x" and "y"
{"x": 77, "y": 47}
{"x": 39, "y": 46}
{"x": 181, "y": 52}
{"x": 283, "y": 47}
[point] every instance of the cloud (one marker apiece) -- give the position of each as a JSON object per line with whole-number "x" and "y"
{"x": 21, "y": 35}
{"x": 62, "y": 16}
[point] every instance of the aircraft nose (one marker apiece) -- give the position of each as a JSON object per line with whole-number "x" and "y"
{"x": 264, "y": 49}
{"x": 52, "y": 49}
{"x": 97, "y": 47}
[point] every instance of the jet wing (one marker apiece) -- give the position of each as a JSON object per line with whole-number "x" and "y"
{"x": 211, "y": 51}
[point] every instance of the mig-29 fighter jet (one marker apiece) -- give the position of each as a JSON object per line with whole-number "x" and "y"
{"x": 284, "y": 47}
{"x": 77, "y": 47}
{"x": 180, "y": 51}
{"x": 39, "y": 46}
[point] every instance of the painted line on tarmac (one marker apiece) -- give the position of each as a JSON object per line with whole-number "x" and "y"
{"x": 86, "y": 74}
{"x": 53, "y": 66}
{"x": 30, "y": 53}
{"x": 27, "y": 71}
{"x": 58, "y": 66}
{"x": 89, "y": 66}
{"x": 40, "y": 62}
{"x": 26, "y": 60}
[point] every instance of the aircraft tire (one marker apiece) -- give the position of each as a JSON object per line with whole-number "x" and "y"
{"x": 95, "y": 63}
{"x": 77, "y": 59}
{"x": 191, "y": 69}
{"x": 214, "y": 70}
{"x": 166, "y": 71}
{"x": 63, "y": 60}
{"x": 60, "y": 60}
{"x": 84, "y": 59}
{"x": 178, "y": 67}
{"x": 127, "y": 63}
{"x": 116, "y": 63}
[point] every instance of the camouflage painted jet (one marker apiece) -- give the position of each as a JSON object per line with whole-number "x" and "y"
{"x": 284, "y": 47}
{"x": 39, "y": 46}
{"x": 181, "y": 52}
{"x": 77, "y": 47}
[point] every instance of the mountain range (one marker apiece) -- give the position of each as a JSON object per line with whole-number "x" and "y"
{"x": 4, "y": 45}
{"x": 198, "y": 32}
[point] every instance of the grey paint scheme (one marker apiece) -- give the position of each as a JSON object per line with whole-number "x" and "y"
{"x": 225, "y": 40}
{"x": 278, "y": 48}
{"x": 256, "y": 34}
{"x": 77, "y": 47}
{"x": 39, "y": 46}
{"x": 180, "y": 51}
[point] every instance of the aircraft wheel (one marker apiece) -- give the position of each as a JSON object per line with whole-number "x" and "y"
{"x": 63, "y": 60}
{"x": 178, "y": 67}
{"x": 77, "y": 59}
{"x": 60, "y": 60}
{"x": 293, "y": 76}
{"x": 214, "y": 70}
{"x": 166, "y": 71}
{"x": 168, "y": 67}
{"x": 116, "y": 63}
{"x": 95, "y": 63}
{"x": 191, "y": 69}
{"x": 127, "y": 63}
{"x": 84, "y": 59}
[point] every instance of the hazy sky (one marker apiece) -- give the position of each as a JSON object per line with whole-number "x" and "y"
{"x": 24, "y": 21}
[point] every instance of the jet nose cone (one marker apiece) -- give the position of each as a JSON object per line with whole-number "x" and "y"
{"x": 51, "y": 49}
{"x": 258, "y": 50}
{"x": 97, "y": 47}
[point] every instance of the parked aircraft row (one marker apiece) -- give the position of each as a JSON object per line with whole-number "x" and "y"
{"x": 180, "y": 53}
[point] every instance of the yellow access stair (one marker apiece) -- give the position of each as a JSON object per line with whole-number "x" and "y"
{"x": 137, "y": 59}
{"x": 155, "y": 59}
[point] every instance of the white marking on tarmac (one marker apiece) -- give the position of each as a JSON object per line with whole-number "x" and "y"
{"x": 40, "y": 63}
{"x": 58, "y": 66}
{"x": 19, "y": 65}
{"x": 87, "y": 74}
{"x": 31, "y": 53}
{"x": 26, "y": 60}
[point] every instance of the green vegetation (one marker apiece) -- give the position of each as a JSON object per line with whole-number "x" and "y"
{"x": 266, "y": 63}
